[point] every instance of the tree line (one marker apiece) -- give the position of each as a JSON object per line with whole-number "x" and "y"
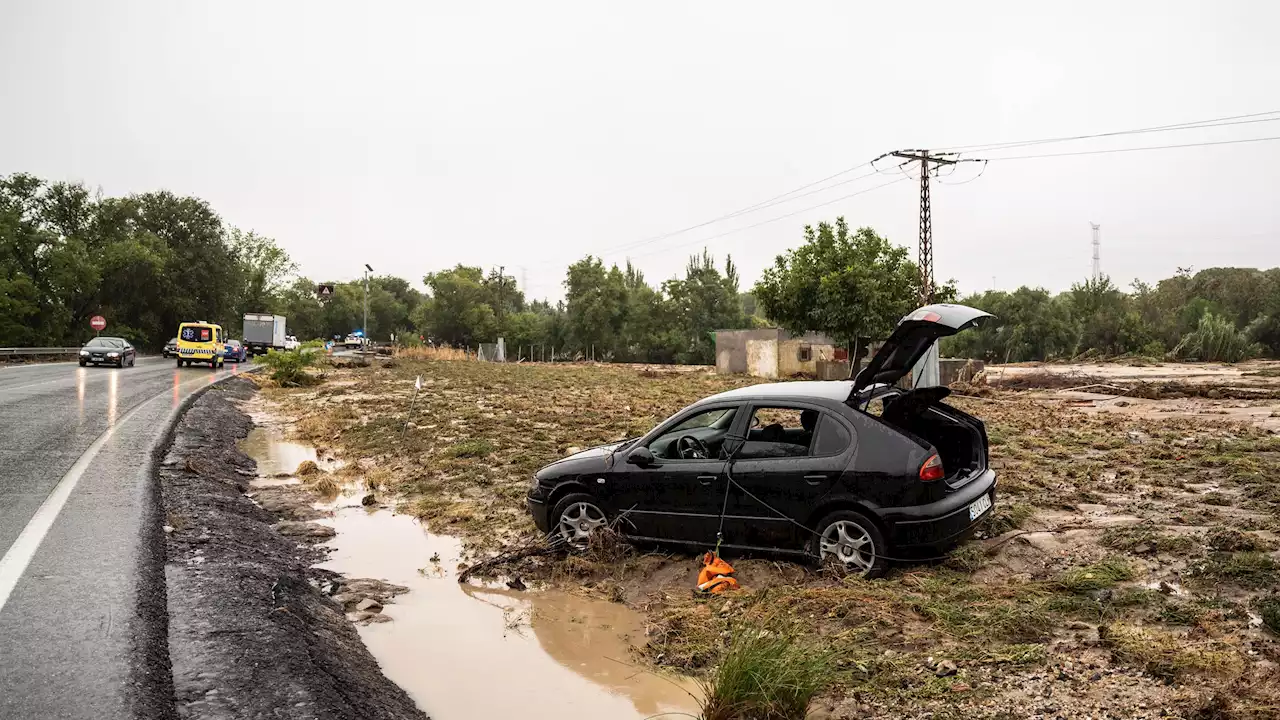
{"x": 149, "y": 261}
{"x": 1216, "y": 314}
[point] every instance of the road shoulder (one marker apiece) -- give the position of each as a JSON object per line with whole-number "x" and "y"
{"x": 252, "y": 629}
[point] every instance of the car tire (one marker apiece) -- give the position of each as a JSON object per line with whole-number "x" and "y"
{"x": 179, "y": 362}
{"x": 869, "y": 561}
{"x": 83, "y": 363}
{"x": 588, "y": 511}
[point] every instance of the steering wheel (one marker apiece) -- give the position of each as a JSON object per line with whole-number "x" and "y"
{"x": 691, "y": 448}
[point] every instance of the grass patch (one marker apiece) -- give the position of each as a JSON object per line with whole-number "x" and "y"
{"x": 1165, "y": 655}
{"x": 766, "y": 676}
{"x": 1269, "y": 609}
{"x": 1218, "y": 499}
{"x": 470, "y": 449}
{"x": 1225, "y": 539}
{"x": 1145, "y": 538}
{"x": 307, "y": 468}
{"x": 1008, "y": 516}
{"x": 1253, "y": 570}
{"x": 1099, "y": 576}
{"x": 325, "y": 485}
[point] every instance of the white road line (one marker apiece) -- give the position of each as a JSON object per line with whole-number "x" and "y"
{"x": 19, "y": 555}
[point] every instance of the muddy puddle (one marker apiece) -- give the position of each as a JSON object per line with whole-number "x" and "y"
{"x": 277, "y": 457}
{"x": 469, "y": 651}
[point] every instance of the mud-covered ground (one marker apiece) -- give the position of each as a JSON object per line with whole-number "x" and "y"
{"x": 1130, "y": 570}
{"x": 254, "y": 630}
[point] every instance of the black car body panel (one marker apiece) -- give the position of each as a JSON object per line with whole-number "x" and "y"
{"x": 774, "y": 483}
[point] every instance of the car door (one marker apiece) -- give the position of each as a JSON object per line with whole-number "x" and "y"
{"x": 779, "y": 483}
{"x": 673, "y": 498}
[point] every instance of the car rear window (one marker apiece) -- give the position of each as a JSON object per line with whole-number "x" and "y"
{"x": 197, "y": 333}
{"x": 832, "y": 438}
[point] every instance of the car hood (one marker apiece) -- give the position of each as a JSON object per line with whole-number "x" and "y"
{"x": 912, "y": 339}
{"x": 589, "y": 460}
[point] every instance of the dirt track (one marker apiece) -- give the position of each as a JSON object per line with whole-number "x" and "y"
{"x": 253, "y": 632}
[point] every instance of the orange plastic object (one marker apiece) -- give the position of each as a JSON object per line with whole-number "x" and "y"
{"x": 716, "y": 575}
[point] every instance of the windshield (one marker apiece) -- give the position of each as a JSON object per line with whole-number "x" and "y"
{"x": 197, "y": 333}
{"x": 106, "y": 342}
{"x": 233, "y": 343}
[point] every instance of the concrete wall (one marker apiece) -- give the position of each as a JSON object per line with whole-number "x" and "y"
{"x": 789, "y": 362}
{"x": 731, "y": 348}
{"x": 770, "y": 352}
{"x": 762, "y": 358}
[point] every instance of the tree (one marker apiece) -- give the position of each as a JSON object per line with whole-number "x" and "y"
{"x": 703, "y": 302}
{"x": 595, "y": 302}
{"x": 459, "y": 312}
{"x": 847, "y": 285}
{"x": 263, "y": 268}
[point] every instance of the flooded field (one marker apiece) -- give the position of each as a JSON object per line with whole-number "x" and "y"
{"x": 556, "y": 654}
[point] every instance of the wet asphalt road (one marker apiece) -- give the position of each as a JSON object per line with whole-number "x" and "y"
{"x": 78, "y": 529}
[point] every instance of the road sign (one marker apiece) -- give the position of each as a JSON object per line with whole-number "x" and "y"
{"x": 324, "y": 291}
{"x": 98, "y": 323}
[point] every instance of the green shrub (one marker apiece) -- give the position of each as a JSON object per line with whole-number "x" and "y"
{"x": 1216, "y": 339}
{"x": 765, "y": 676}
{"x": 289, "y": 368}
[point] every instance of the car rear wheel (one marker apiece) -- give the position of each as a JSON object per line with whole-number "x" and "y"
{"x": 179, "y": 362}
{"x": 852, "y": 541}
{"x": 576, "y": 517}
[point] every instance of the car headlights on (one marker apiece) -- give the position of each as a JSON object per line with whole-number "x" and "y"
{"x": 84, "y": 352}
{"x": 113, "y": 354}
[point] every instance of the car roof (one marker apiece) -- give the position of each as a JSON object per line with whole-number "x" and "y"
{"x": 832, "y": 390}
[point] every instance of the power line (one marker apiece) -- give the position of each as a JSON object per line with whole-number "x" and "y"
{"x": 1193, "y": 125}
{"x": 1135, "y": 149}
{"x": 772, "y": 220}
{"x": 775, "y": 200}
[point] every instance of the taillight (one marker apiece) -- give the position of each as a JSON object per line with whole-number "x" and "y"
{"x": 932, "y": 469}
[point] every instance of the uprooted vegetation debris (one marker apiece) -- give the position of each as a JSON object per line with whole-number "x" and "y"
{"x": 1103, "y": 563}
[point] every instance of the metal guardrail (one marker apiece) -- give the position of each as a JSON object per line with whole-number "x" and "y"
{"x": 12, "y": 352}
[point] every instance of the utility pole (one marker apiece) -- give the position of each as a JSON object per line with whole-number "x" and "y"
{"x": 1097, "y": 242}
{"x": 502, "y": 281}
{"x": 928, "y": 163}
{"x": 364, "y": 326}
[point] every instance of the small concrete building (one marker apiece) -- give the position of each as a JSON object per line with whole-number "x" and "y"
{"x": 776, "y": 353}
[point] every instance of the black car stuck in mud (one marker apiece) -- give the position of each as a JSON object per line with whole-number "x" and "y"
{"x": 856, "y": 472}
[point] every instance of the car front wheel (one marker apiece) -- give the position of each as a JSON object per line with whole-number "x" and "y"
{"x": 850, "y": 540}
{"x": 577, "y": 517}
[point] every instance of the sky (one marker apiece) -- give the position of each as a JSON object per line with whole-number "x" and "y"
{"x": 418, "y": 135}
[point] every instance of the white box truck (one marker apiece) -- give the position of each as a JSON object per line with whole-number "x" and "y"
{"x": 263, "y": 333}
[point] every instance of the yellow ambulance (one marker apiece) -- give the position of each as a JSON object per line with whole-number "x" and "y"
{"x": 201, "y": 342}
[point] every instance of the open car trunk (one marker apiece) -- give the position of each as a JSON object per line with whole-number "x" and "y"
{"x": 959, "y": 438}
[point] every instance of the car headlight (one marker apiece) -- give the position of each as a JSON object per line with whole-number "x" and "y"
{"x": 84, "y": 352}
{"x": 113, "y": 354}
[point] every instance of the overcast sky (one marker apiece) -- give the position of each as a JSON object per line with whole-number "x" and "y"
{"x": 414, "y": 136}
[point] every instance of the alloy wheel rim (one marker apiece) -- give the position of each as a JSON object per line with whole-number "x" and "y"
{"x": 578, "y": 522}
{"x": 849, "y": 544}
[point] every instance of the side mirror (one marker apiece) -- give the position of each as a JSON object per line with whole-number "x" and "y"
{"x": 640, "y": 456}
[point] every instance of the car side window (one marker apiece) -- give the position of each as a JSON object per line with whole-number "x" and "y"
{"x": 832, "y": 437}
{"x": 779, "y": 432}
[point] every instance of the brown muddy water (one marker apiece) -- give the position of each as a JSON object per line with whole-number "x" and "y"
{"x": 467, "y": 651}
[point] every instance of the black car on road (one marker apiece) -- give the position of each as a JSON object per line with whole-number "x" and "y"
{"x": 855, "y": 472}
{"x": 170, "y": 349}
{"x": 108, "y": 351}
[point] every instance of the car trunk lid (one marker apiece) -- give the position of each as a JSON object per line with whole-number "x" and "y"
{"x": 912, "y": 339}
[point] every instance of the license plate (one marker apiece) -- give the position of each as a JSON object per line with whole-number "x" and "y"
{"x": 979, "y": 506}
